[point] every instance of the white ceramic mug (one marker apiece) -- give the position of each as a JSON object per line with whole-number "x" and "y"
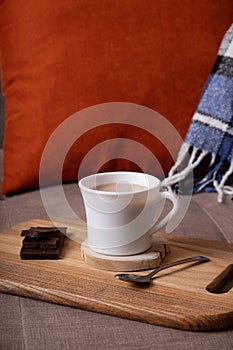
{"x": 122, "y": 211}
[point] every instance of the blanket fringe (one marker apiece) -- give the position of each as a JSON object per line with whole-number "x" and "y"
{"x": 221, "y": 188}
{"x": 213, "y": 176}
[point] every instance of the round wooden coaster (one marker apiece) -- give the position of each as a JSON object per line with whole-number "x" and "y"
{"x": 148, "y": 260}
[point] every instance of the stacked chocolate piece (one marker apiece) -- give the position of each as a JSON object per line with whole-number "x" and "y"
{"x": 42, "y": 242}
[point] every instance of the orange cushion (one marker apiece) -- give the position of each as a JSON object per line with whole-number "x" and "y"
{"x": 60, "y": 57}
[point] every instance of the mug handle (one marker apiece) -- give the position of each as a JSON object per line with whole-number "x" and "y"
{"x": 174, "y": 199}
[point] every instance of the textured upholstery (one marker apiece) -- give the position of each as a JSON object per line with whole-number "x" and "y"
{"x": 2, "y": 117}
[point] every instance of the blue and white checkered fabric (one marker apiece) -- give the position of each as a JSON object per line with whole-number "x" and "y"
{"x": 211, "y": 128}
{"x": 212, "y": 124}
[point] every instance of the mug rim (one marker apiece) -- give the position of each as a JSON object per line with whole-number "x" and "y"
{"x": 156, "y": 182}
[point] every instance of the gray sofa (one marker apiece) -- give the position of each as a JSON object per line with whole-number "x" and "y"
{"x": 31, "y": 324}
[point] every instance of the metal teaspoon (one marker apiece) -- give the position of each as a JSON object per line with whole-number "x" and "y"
{"x": 130, "y": 277}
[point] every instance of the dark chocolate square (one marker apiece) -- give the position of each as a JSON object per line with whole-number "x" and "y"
{"x": 43, "y": 253}
{"x": 42, "y": 242}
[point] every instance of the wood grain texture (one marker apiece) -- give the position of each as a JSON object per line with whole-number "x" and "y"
{"x": 176, "y": 298}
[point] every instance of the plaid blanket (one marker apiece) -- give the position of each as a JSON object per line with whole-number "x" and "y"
{"x": 210, "y": 136}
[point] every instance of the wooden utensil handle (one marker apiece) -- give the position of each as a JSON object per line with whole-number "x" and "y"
{"x": 218, "y": 285}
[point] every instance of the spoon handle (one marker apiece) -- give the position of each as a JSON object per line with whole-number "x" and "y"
{"x": 178, "y": 262}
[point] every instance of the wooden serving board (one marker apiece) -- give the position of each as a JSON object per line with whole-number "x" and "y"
{"x": 176, "y": 298}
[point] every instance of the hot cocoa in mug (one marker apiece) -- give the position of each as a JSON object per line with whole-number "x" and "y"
{"x": 119, "y": 187}
{"x": 123, "y": 210}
